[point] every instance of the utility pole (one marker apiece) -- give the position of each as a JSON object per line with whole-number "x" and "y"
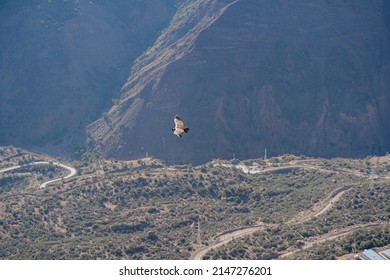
{"x": 265, "y": 153}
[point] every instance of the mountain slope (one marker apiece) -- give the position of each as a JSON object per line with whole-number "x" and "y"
{"x": 308, "y": 77}
{"x": 145, "y": 209}
{"x": 62, "y": 63}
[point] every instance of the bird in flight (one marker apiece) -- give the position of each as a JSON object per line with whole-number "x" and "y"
{"x": 179, "y": 128}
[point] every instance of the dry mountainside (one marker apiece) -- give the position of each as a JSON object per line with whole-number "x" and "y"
{"x": 290, "y": 207}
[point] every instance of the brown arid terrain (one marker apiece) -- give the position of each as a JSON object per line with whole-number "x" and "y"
{"x": 317, "y": 210}
{"x": 288, "y": 207}
{"x": 88, "y": 93}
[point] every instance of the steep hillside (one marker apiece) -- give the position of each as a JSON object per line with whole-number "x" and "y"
{"x": 146, "y": 209}
{"x": 62, "y": 63}
{"x": 309, "y": 77}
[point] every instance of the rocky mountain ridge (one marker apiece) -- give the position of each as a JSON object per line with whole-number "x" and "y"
{"x": 309, "y": 77}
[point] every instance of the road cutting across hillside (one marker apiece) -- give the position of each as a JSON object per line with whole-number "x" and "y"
{"x": 72, "y": 171}
{"x": 318, "y": 209}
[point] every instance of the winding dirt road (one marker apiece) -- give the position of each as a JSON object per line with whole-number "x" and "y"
{"x": 223, "y": 239}
{"x": 315, "y": 211}
{"x": 327, "y": 237}
{"x": 72, "y": 171}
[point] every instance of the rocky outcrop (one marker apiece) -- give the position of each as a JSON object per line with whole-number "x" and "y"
{"x": 302, "y": 77}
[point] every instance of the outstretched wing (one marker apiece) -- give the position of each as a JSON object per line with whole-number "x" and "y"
{"x": 179, "y": 124}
